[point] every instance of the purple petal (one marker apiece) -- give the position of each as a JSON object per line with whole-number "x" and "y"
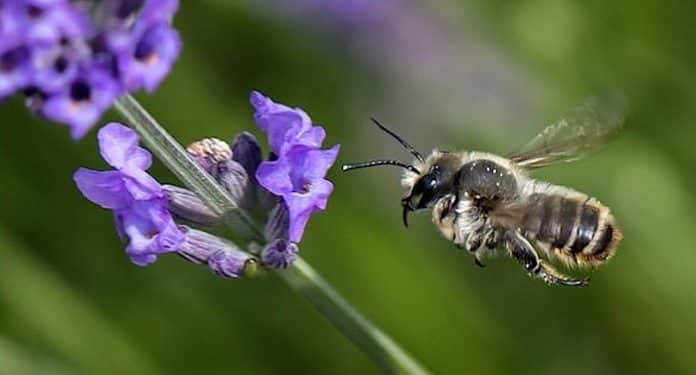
{"x": 150, "y": 230}
{"x": 311, "y": 164}
{"x": 118, "y": 145}
{"x": 103, "y": 188}
{"x": 15, "y": 70}
{"x": 151, "y": 57}
{"x": 275, "y": 176}
{"x": 141, "y": 185}
{"x": 55, "y": 67}
{"x": 284, "y": 126}
{"x": 81, "y": 103}
{"x": 302, "y": 205}
{"x": 155, "y": 11}
{"x": 49, "y": 21}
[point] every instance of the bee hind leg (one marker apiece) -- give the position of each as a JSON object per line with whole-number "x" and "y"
{"x": 520, "y": 249}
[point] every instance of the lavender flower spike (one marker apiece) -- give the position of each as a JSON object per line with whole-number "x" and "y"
{"x": 136, "y": 199}
{"x": 72, "y": 59}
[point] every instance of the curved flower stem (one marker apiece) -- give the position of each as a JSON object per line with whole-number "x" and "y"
{"x": 301, "y": 276}
{"x": 375, "y": 343}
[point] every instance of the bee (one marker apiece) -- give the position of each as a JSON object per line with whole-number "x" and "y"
{"x": 482, "y": 201}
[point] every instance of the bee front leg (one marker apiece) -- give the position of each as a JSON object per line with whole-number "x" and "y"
{"x": 525, "y": 254}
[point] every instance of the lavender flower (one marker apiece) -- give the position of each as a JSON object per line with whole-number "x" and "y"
{"x": 136, "y": 199}
{"x": 282, "y": 192}
{"x": 284, "y": 126}
{"x": 73, "y": 59}
{"x": 297, "y": 175}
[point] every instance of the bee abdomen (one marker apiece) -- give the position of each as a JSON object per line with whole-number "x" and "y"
{"x": 577, "y": 230}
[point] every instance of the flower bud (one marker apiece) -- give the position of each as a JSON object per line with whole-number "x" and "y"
{"x": 200, "y": 246}
{"x": 278, "y": 224}
{"x": 280, "y": 253}
{"x": 186, "y": 205}
{"x": 208, "y": 152}
{"x": 223, "y": 257}
{"x": 247, "y": 152}
{"x": 233, "y": 177}
{"x": 231, "y": 264}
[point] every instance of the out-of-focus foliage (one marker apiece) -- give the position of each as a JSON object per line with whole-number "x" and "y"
{"x": 70, "y": 297}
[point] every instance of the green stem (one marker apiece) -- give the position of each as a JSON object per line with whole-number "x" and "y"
{"x": 358, "y": 329}
{"x": 301, "y": 277}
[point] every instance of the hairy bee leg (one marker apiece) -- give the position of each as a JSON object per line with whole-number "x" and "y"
{"x": 492, "y": 239}
{"x": 524, "y": 252}
{"x": 552, "y": 276}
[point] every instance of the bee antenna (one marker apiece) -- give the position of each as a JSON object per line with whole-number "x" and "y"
{"x": 375, "y": 163}
{"x": 406, "y": 145}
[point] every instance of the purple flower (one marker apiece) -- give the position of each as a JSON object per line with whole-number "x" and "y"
{"x": 136, "y": 199}
{"x": 297, "y": 171}
{"x": 284, "y": 126}
{"x": 74, "y": 58}
{"x": 147, "y": 56}
{"x": 82, "y": 101}
{"x": 298, "y": 177}
{"x": 48, "y": 21}
{"x": 15, "y": 70}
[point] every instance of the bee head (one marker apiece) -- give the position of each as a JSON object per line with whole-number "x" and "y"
{"x": 431, "y": 186}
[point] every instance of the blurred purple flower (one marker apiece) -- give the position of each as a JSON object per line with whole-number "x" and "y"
{"x": 15, "y": 70}
{"x": 81, "y": 102}
{"x": 136, "y": 199}
{"x": 74, "y": 58}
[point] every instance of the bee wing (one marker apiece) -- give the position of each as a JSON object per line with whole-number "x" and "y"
{"x": 584, "y": 129}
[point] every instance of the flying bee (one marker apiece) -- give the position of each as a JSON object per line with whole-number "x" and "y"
{"x": 482, "y": 201}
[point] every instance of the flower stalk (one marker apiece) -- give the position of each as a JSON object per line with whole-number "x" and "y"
{"x": 301, "y": 277}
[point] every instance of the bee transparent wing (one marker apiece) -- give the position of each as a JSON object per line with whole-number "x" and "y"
{"x": 584, "y": 129}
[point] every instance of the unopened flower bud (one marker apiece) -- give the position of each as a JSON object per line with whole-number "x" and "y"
{"x": 233, "y": 177}
{"x": 186, "y": 205}
{"x": 208, "y": 152}
{"x": 223, "y": 257}
{"x": 278, "y": 224}
{"x": 247, "y": 152}
{"x": 231, "y": 264}
{"x": 200, "y": 246}
{"x": 279, "y": 253}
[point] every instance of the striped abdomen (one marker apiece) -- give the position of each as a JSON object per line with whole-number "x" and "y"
{"x": 576, "y": 229}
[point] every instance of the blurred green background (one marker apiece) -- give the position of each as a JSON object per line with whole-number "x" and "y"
{"x": 477, "y": 74}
